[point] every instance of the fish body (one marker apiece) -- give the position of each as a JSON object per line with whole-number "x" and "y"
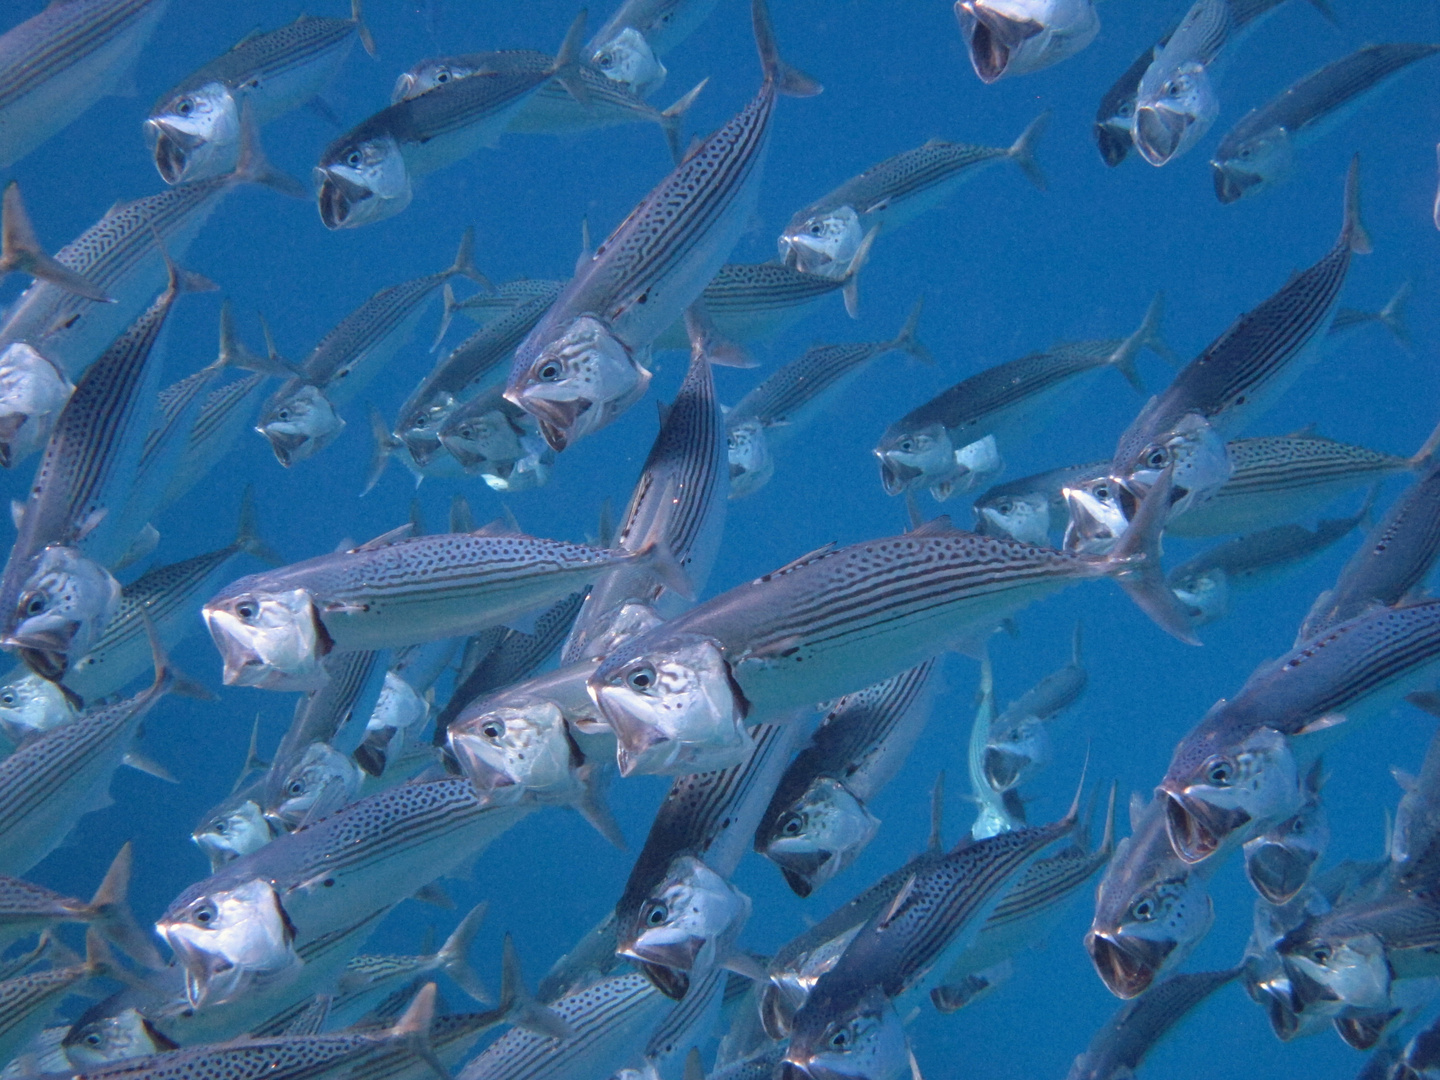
{"x": 224, "y": 413}
{"x": 62, "y": 60}
{"x": 1258, "y": 151}
{"x": 1016, "y": 37}
{"x": 194, "y": 129}
{"x": 498, "y": 441}
{"x": 1415, "y": 838}
{"x": 750, "y": 302}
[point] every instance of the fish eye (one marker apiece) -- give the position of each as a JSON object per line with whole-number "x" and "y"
{"x": 1219, "y": 773}
{"x": 642, "y": 678}
{"x": 841, "y": 1039}
{"x": 1103, "y": 493}
{"x": 793, "y": 825}
{"x": 36, "y": 604}
{"x": 1320, "y": 954}
{"x": 283, "y": 414}
{"x": 656, "y": 913}
{"x": 549, "y": 371}
{"x": 354, "y": 158}
{"x": 8, "y": 698}
{"x": 731, "y": 442}
{"x": 247, "y": 609}
{"x": 1297, "y": 827}
{"x": 185, "y": 106}
{"x": 442, "y": 76}
{"x": 204, "y": 914}
{"x": 296, "y": 787}
{"x": 1157, "y": 458}
{"x": 1005, "y": 507}
{"x": 1143, "y": 909}
{"x": 493, "y": 729}
{"x": 219, "y": 826}
{"x": 817, "y": 228}
{"x": 93, "y": 1039}
{"x": 907, "y": 446}
{"x": 466, "y": 432}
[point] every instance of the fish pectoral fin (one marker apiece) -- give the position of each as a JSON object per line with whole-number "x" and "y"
{"x": 745, "y": 965}
{"x": 1323, "y": 723}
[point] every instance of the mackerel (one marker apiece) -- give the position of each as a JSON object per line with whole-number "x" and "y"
{"x": 26, "y": 1001}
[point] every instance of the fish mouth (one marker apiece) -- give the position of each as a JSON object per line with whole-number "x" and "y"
{"x": 1114, "y": 142}
{"x": 1196, "y": 828}
{"x": 802, "y": 870}
{"x": 484, "y": 777}
{"x": 172, "y": 148}
{"x": 1002, "y": 768}
{"x": 1128, "y": 966}
{"x": 556, "y": 419}
{"x": 896, "y": 476}
{"x": 339, "y": 198}
{"x": 1281, "y": 1011}
{"x": 1363, "y": 1032}
{"x": 993, "y": 38}
{"x": 1158, "y": 133}
{"x": 669, "y": 981}
{"x": 777, "y": 1012}
{"x": 1278, "y": 872}
{"x": 422, "y": 451}
{"x": 1232, "y": 185}
{"x": 288, "y": 446}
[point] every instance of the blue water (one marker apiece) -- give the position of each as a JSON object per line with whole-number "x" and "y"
{"x": 1004, "y": 270}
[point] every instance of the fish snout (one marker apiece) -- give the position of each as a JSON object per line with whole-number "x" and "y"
{"x": 343, "y": 203}
{"x": 1278, "y": 872}
{"x": 173, "y": 149}
{"x": 1197, "y": 828}
{"x": 1127, "y": 966}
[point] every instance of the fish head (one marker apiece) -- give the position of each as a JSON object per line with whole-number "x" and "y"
{"x": 232, "y": 831}
{"x": 1204, "y": 593}
{"x": 508, "y": 751}
{"x": 823, "y": 244}
{"x": 300, "y": 424}
{"x": 916, "y": 458}
{"x": 530, "y": 470}
{"x": 1016, "y": 37}
{"x": 1097, "y": 516}
{"x": 865, "y": 1041}
{"x": 1196, "y": 452}
{"x": 273, "y": 640}
{"x": 427, "y": 75}
{"x": 1254, "y": 165}
{"x": 229, "y": 939}
{"x": 1145, "y": 931}
{"x": 196, "y": 134}
{"x": 120, "y": 1036}
{"x": 1230, "y": 793}
{"x": 819, "y": 834}
{"x": 1172, "y": 118}
{"x": 674, "y": 707}
{"x": 751, "y": 464}
{"x": 362, "y": 181}
{"x": 579, "y": 382}
{"x": 1024, "y": 517}
{"x": 30, "y": 704}
{"x": 319, "y": 783}
{"x": 1016, "y": 752}
{"x": 1112, "y": 134}
{"x": 478, "y": 440}
{"x": 32, "y": 393}
{"x": 684, "y": 927}
{"x": 627, "y": 58}
{"x": 1279, "y": 863}
{"x": 64, "y": 606}
{"x": 1335, "y": 971}
{"x": 420, "y": 428}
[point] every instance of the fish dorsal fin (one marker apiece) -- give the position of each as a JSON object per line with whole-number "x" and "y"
{"x": 385, "y": 539}
{"x": 1309, "y": 431}
{"x": 940, "y": 526}
{"x": 819, "y": 553}
{"x": 251, "y": 36}
{"x": 506, "y": 526}
{"x": 897, "y": 904}
{"x": 312, "y": 1018}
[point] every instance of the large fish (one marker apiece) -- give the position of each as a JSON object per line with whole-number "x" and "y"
{"x": 1016, "y": 37}
{"x": 194, "y": 129}
{"x": 583, "y": 364}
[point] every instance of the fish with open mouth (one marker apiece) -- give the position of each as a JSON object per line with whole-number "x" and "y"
{"x": 1017, "y": 37}
{"x": 1175, "y": 102}
{"x": 629, "y": 46}
{"x": 1017, "y": 744}
{"x": 1279, "y": 862}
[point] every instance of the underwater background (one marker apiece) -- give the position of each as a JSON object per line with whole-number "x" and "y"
{"x": 1004, "y": 270}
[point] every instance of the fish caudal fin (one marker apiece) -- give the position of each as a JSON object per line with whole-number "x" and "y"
{"x": 567, "y": 60}
{"x": 454, "y": 955}
{"x": 113, "y": 917}
{"x": 413, "y": 1029}
{"x": 907, "y": 342}
{"x": 357, "y": 16}
{"x": 519, "y": 1008}
{"x": 591, "y": 805}
{"x": 21, "y": 250}
{"x": 254, "y": 167}
{"x": 1392, "y": 315}
{"x": 1353, "y": 232}
{"x": 787, "y": 80}
{"x": 464, "y": 263}
{"x": 385, "y": 445}
{"x": 247, "y": 534}
{"x": 671, "y": 118}
{"x": 1146, "y": 336}
{"x": 1135, "y": 563}
{"x": 1022, "y": 151}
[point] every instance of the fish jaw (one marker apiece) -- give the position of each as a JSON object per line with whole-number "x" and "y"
{"x": 1097, "y": 519}
{"x": 195, "y": 135}
{"x": 1127, "y": 965}
{"x": 821, "y": 834}
{"x": 672, "y": 712}
{"x": 32, "y": 393}
{"x": 1276, "y": 871}
{"x": 509, "y": 751}
{"x": 686, "y": 926}
{"x": 751, "y": 463}
{"x": 362, "y": 183}
{"x": 824, "y": 244}
{"x": 301, "y": 425}
{"x": 1259, "y": 162}
{"x": 229, "y": 940}
{"x": 628, "y": 59}
{"x": 270, "y": 640}
{"x": 867, "y": 1043}
{"x": 1112, "y": 136}
{"x": 64, "y": 606}
{"x": 992, "y": 38}
{"x": 916, "y": 459}
{"x": 1174, "y": 121}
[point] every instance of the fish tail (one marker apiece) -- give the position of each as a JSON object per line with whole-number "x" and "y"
{"x": 657, "y": 557}
{"x": 464, "y": 263}
{"x": 592, "y": 807}
{"x": 567, "y": 60}
{"x": 1022, "y": 151}
{"x": 20, "y": 250}
{"x": 1353, "y": 233}
{"x": 906, "y": 341}
{"x": 1392, "y": 315}
{"x": 113, "y": 917}
{"x": 787, "y": 80}
{"x": 385, "y": 443}
{"x": 462, "y": 518}
{"x": 454, "y": 955}
{"x": 1326, "y": 11}
{"x": 254, "y": 167}
{"x": 1146, "y": 336}
{"x": 519, "y": 1008}
{"x": 1135, "y": 563}
{"x": 357, "y": 16}
{"x": 247, "y": 535}
{"x": 850, "y": 291}
{"x": 670, "y": 122}
{"x": 413, "y": 1029}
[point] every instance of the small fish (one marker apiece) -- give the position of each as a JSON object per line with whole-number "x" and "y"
{"x": 1279, "y": 862}
{"x": 27, "y": 1000}
{"x": 825, "y": 237}
{"x": 106, "y": 1039}
{"x": 629, "y": 46}
{"x": 236, "y": 828}
{"x": 1415, "y": 836}
{"x": 1019, "y": 744}
{"x": 321, "y": 781}
{"x": 498, "y": 441}
{"x": 32, "y": 393}
{"x": 1258, "y": 151}
{"x": 1175, "y": 102}
{"x": 1016, "y": 37}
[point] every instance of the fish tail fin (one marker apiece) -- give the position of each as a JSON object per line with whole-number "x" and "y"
{"x": 357, "y": 16}
{"x": 850, "y": 291}
{"x": 413, "y": 1029}
{"x": 1326, "y": 11}
{"x": 519, "y": 1008}
{"x": 247, "y": 534}
{"x": 1423, "y": 457}
{"x": 1107, "y": 838}
{"x": 454, "y": 955}
{"x": 787, "y": 80}
{"x": 464, "y": 263}
{"x": 234, "y": 353}
{"x": 661, "y": 562}
{"x": 1392, "y": 315}
{"x": 20, "y": 250}
{"x": 99, "y": 960}
{"x": 1146, "y": 336}
{"x": 592, "y": 807}
{"x": 254, "y": 167}
{"x": 1353, "y": 233}
{"x": 180, "y": 280}
{"x": 1135, "y": 563}
{"x": 385, "y": 445}
{"x": 567, "y": 61}
{"x": 707, "y": 339}
{"x": 165, "y": 674}
{"x": 671, "y": 118}
{"x": 1022, "y": 151}
{"x": 447, "y": 314}
{"x": 113, "y": 917}
{"x": 906, "y": 341}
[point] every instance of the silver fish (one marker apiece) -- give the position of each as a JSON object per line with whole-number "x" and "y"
{"x": 1258, "y": 151}
{"x": 1029, "y": 509}
{"x": 1278, "y": 863}
{"x": 106, "y": 1039}
{"x": 235, "y": 829}
{"x": 1016, "y": 37}
{"x": 825, "y": 237}
{"x": 194, "y": 129}
{"x": 58, "y": 63}
{"x": 321, "y": 781}
{"x": 582, "y": 365}
{"x": 32, "y": 393}
{"x": 629, "y": 46}
{"x": 1019, "y": 744}
{"x": 1175, "y": 103}
{"x": 26, "y": 1000}
{"x": 1414, "y": 836}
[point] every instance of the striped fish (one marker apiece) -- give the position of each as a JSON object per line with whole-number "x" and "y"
{"x": 817, "y": 822}
{"x": 27, "y": 908}
{"x": 1257, "y": 152}
{"x": 497, "y": 440}
{"x": 27, "y": 1000}
{"x": 1175, "y": 103}
{"x": 366, "y": 175}
{"x": 825, "y": 236}
{"x": 20, "y": 251}
{"x": 791, "y": 396}
{"x": 582, "y": 365}
{"x": 1279, "y": 862}
{"x": 194, "y": 129}
{"x": 629, "y": 46}
{"x": 1287, "y": 712}
{"x": 1006, "y": 37}
{"x": 58, "y": 63}
{"x": 299, "y": 420}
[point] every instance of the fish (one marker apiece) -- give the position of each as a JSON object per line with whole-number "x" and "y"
{"x": 1238, "y": 771}
{"x": 793, "y": 394}
{"x": 817, "y": 822}
{"x": 1121, "y": 1045}
{"x": 1017, "y": 37}
{"x": 1413, "y": 844}
{"x": 996, "y": 811}
{"x": 321, "y": 781}
{"x": 367, "y": 174}
{"x": 33, "y": 391}
{"x": 498, "y": 441}
{"x": 21, "y": 252}
{"x": 401, "y": 710}
{"x": 1279, "y": 862}
{"x": 273, "y": 629}
{"x": 918, "y": 450}
{"x": 1420, "y": 1058}
{"x": 799, "y": 634}
{"x": 194, "y": 128}
{"x": 367, "y": 977}
{"x": 583, "y": 364}
{"x": 1151, "y": 908}
{"x": 27, "y": 1000}
{"x": 825, "y": 237}
{"x": 299, "y": 419}
{"x": 62, "y": 60}
{"x": 236, "y": 828}
{"x": 1257, "y": 152}
{"x": 1028, "y": 509}
{"x": 1018, "y": 744}
{"x": 106, "y": 1039}
{"x": 1175, "y": 102}
{"x": 629, "y": 46}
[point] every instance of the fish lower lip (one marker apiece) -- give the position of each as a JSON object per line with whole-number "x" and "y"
{"x": 1197, "y": 829}
{"x": 1114, "y": 144}
{"x": 1284, "y": 1018}
{"x": 1156, "y": 135}
{"x": 671, "y": 983}
{"x": 170, "y": 158}
{"x": 1127, "y": 968}
{"x": 895, "y": 476}
{"x": 1278, "y": 873}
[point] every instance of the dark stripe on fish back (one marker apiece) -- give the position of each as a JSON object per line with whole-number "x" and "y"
{"x": 81, "y": 37}
{"x": 753, "y": 287}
